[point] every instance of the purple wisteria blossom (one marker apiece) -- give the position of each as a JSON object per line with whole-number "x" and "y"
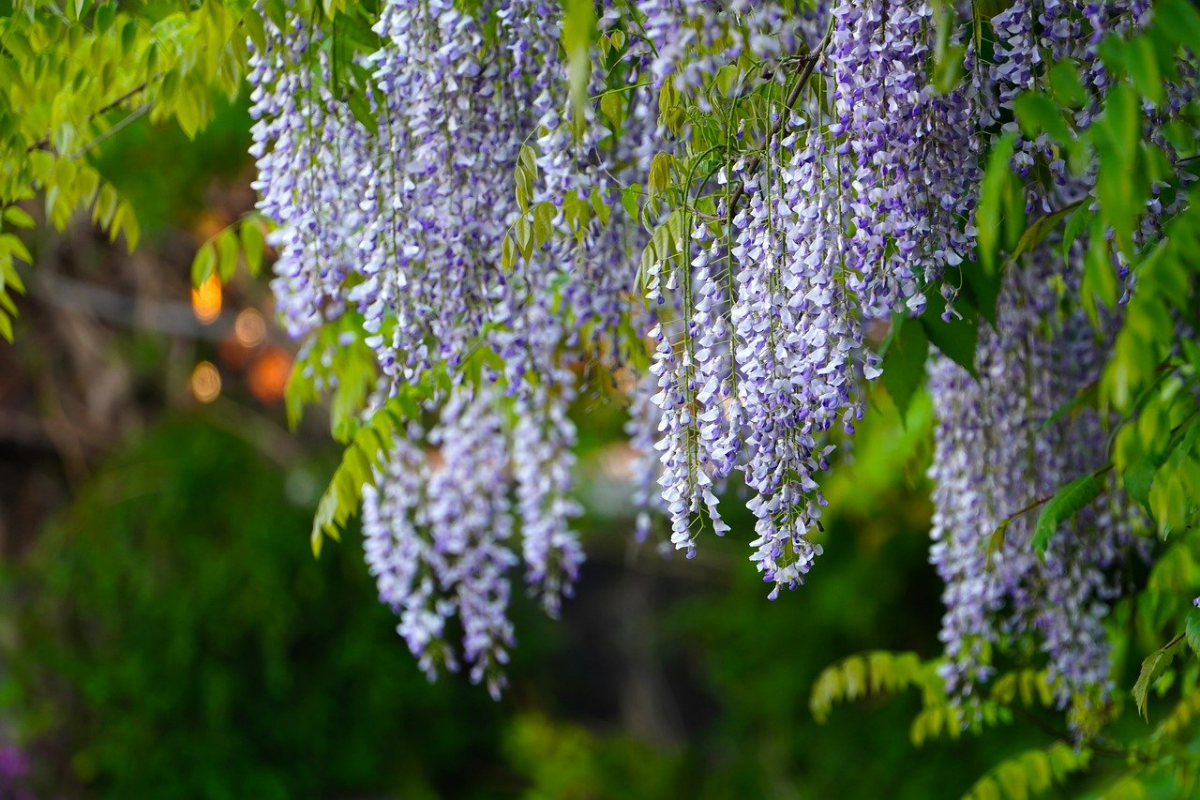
{"x": 995, "y": 460}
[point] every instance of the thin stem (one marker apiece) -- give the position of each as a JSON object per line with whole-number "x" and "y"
{"x": 809, "y": 64}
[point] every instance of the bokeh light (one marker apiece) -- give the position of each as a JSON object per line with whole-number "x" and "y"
{"x": 268, "y": 375}
{"x": 250, "y": 328}
{"x": 206, "y": 382}
{"x": 206, "y": 300}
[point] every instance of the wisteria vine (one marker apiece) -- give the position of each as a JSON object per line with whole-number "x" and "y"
{"x": 749, "y": 191}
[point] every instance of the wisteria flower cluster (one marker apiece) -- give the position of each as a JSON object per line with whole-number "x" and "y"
{"x": 486, "y": 229}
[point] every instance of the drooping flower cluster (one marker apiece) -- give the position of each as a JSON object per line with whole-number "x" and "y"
{"x": 832, "y": 224}
{"x": 844, "y": 198}
{"x": 303, "y": 139}
{"x": 995, "y": 463}
{"x": 997, "y": 460}
{"x": 405, "y": 226}
{"x": 436, "y": 538}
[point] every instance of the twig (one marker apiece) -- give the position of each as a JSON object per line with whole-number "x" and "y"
{"x": 809, "y": 61}
{"x": 1041, "y": 501}
{"x": 44, "y": 142}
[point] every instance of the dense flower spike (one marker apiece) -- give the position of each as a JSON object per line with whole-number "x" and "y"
{"x": 309, "y": 149}
{"x": 435, "y": 539}
{"x": 483, "y": 227}
{"x": 994, "y": 461}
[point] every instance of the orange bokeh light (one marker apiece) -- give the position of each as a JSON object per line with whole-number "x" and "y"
{"x": 268, "y": 375}
{"x": 206, "y": 300}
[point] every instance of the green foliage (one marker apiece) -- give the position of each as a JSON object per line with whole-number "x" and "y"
{"x": 1153, "y": 668}
{"x": 1150, "y": 383}
{"x": 1032, "y": 772}
{"x": 1000, "y": 219}
{"x": 904, "y": 359}
{"x": 564, "y": 760}
{"x": 70, "y": 80}
{"x": 367, "y": 450}
{"x": 243, "y": 243}
{"x": 870, "y": 673}
{"x": 955, "y": 338}
{"x": 168, "y": 634}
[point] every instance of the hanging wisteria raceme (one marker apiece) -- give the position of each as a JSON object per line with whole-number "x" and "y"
{"x": 420, "y": 241}
{"x": 837, "y": 222}
{"x": 693, "y": 39}
{"x": 995, "y": 460}
{"x": 308, "y": 148}
{"x": 436, "y": 539}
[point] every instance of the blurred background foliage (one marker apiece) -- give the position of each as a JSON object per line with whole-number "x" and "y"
{"x": 165, "y": 631}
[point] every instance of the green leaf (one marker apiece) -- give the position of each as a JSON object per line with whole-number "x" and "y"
{"x": 958, "y": 337}
{"x": 1191, "y": 630}
{"x": 203, "y": 264}
{"x": 356, "y": 101}
{"x": 948, "y": 58}
{"x": 578, "y": 25}
{"x": 524, "y": 231}
{"x": 18, "y": 217}
{"x": 543, "y": 219}
{"x": 125, "y": 220}
{"x": 1153, "y": 667}
{"x": 1066, "y": 87}
{"x": 527, "y": 160}
{"x": 576, "y": 211}
{"x": 129, "y": 36}
{"x": 252, "y": 244}
{"x": 989, "y": 213}
{"x": 660, "y": 173}
{"x": 255, "y": 29}
{"x": 1099, "y": 277}
{"x": 1084, "y": 398}
{"x": 612, "y": 105}
{"x": 1037, "y": 112}
{"x": 990, "y": 8}
{"x": 105, "y": 15}
{"x": 1122, "y": 186}
{"x": 1078, "y": 222}
{"x": 996, "y": 542}
{"x": 16, "y": 247}
{"x": 1065, "y": 504}
{"x": 629, "y": 200}
{"x": 984, "y": 289}
{"x": 1138, "y": 480}
{"x": 1180, "y": 21}
{"x": 1142, "y": 62}
{"x": 603, "y": 212}
{"x": 726, "y": 79}
{"x": 904, "y": 362}
{"x": 1036, "y": 233}
{"x": 227, "y": 255}
{"x": 508, "y": 254}
{"x": 524, "y": 188}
